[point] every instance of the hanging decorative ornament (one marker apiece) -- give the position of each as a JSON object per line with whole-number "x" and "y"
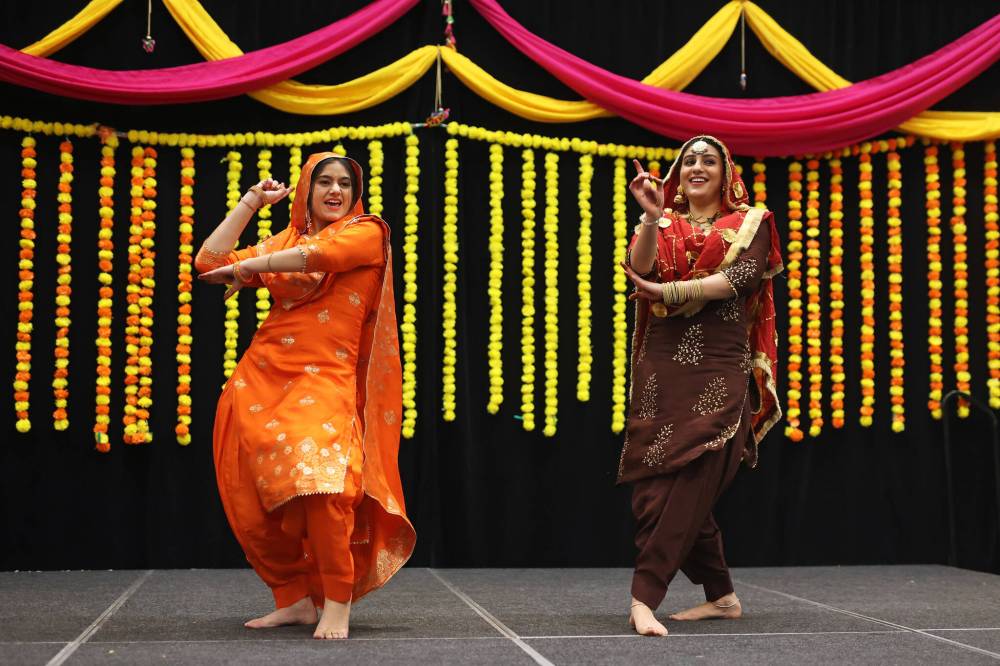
{"x": 449, "y": 22}
{"x": 148, "y": 43}
{"x": 743, "y": 50}
{"x": 439, "y": 114}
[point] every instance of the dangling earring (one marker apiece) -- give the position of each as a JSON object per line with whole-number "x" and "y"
{"x": 308, "y": 223}
{"x": 679, "y": 198}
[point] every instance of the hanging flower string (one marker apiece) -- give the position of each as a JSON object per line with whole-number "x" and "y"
{"x": 895, "y": 242}
{"x": 963, "y": 379}
{"x": 132, "y": 298}
{"x": 793, "y": 430}
{"x": 759, "y": 183}
{"x": 814, "y": 316}
{"x": 263, "y": 233}
{"x": 25, "y": 288}
{"x": 449, "y": 312}
{"x": 992, "y": 271}
{"x": 64, "y": 289}
{"x": 184, "y": 283}
{"x": 935, "y": 341}
{"x": 836, "y": 292}
{"x": 294, "y": 172}
{"x": 409, "y": 326}
{"x": 148, "y": 285}
{"x": 232, "y": 322}
{"x": 867, "y": 284}
{"x": 585, "y": 345}
{"x": 619, "y": 348}
{"x": 376, "y": 159}
{"x": 551, "y": 227}
{"x": 528, "y": 290}
{"x": 495, "y": 289}
{"x": 105, "y": 259}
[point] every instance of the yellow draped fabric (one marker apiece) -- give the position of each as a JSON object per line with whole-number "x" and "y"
{"x": 790, "y": 52}
{"x": 675, "y": 73}
{"x": 84, "y": 20}
{"x": 292, "y": 96}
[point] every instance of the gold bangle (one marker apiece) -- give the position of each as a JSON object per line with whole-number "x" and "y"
{"x": 269, "y": 262}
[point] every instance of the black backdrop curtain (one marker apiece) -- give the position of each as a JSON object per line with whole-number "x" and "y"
{"x": 480, "y": 490}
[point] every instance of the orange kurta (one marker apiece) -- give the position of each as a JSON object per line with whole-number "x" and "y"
{"x": 319, "y": 385}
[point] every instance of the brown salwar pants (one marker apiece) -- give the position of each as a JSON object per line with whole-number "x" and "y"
{"x": 675, "y": 529}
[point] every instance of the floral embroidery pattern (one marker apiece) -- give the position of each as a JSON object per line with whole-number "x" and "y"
{"x": 689, "y": 351}
{"x": 741, "y": 273}
{"x": 657, "y": 453}
{"x": 712, "y": 398}
{"x": 729, "y": 310}
{"x": 647, "y": 403}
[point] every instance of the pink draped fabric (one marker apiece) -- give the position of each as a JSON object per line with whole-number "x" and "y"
{"x": 206, "y": 80}
{"x": 773, "y": 126}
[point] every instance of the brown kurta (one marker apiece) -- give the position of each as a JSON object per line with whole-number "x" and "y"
{"x": 691, "y": 378}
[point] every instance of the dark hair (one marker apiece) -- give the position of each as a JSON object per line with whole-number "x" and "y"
{"x": 318, "y": 169}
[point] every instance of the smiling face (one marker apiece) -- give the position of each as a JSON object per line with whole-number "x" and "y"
{"x": 701, "y": 172}
{"x": 332, "y": 192}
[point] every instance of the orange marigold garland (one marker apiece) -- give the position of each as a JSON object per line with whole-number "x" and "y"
{"x": 792, "y": 430}
{"x": 813, "y": 331}
{"x": 64, "y": 290}
{"x": 935, "y": 342}
{"x": 759, "y": 183}
{"x": 105, "y": 257}
{"x": 132, "y": 298}
{"x": 26, "y": 276}
{"x": 963, "y": 379}
{"x": 836, "y": 292}
{"x": 184, "y": 282}
{"x": 895, "y": 242}
{"x": 147, "y": 286}
{"x": 867, "y": 285}
{"x": 992, "y": 270}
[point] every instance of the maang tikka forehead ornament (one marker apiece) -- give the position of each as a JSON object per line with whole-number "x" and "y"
{"x": 699, "y": 147}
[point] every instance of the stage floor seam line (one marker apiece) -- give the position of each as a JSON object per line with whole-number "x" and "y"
{"x": 95, "y": 626}
{"x": 920, "y": 632}
{"x": 504, "y": 630}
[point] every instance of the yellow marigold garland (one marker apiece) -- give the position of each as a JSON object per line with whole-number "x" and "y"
{"x": 449, "y": 312}
{"x": 992, "y": 271}
{"x": 528, "y": 289}
{"x": 495, "y": 289}
{"x": 105, "y": 257}
{"x": 867, "y": 285}
{"x": 961, "y": 272}
{"x": 232, "y": 322}
{"x": 551, "y": 226}
{"x": 759, "y": 183}
{"x": 836, "y": 292}
{"x": 64, "y": 290}
{"x": 792, "y": 430}
{"x": 184, "y": 282}
{"x": 585, "y": 345}
{"x": 619, "y": 353}
{"x": 935, "y": 341}
{"x": 814, "y": 341}
{"x": 294, "y": 172}
{"x": 409, "y": 324}
{"x": 263, "y": 233}
{"x": 895, "y": 242}
{"x": 376, "y": 158}
{"x": 26, "y": 276}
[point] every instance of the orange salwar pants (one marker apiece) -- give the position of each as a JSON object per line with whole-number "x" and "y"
{"x": 302, "y": 548}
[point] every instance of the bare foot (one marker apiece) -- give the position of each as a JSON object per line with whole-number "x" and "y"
{"x": 301, "y": 612}
{"x": 333, "y": 623}
{"x": 644, "y": 622}
{"x": 726, "y": 608}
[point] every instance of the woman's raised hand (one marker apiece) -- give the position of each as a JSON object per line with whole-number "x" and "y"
{"x": 271, "y": 191}
{"x": 650, "y": 198}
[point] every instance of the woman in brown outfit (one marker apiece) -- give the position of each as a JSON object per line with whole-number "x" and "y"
{"x": 704, "y": 359}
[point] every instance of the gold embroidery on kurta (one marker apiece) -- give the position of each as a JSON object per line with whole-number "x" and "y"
{"x": 689, "y": 350}
{"x": 729, "y": 310}
{"x": 741, "y": 273}
{"x": 354, "y": 299}
{"x": 323, "y": 316}
{"x": 712, "y": 398}
{"x": 288, "y": 341}
{"x": 647, "y": 402}
{"x": 657, "y": 452}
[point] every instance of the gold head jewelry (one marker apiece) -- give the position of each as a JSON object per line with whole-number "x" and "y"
{"x": 679, "y": 198}
{"x": 699, "y": 147}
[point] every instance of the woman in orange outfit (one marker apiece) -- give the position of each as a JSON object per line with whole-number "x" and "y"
{"x": 307, "y": 428}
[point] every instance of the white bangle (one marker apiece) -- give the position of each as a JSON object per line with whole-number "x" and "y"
{"x": 646, "y": 221}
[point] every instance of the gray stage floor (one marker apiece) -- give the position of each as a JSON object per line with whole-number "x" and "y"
{"x": 863, "y": 615}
